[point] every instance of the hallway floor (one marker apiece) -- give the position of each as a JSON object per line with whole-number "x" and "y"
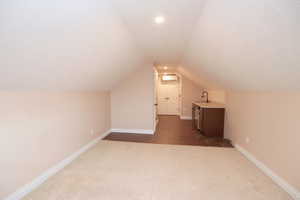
{"x": 171, "y": 130}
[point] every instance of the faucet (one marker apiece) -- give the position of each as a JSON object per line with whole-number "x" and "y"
{"x": 205, "y": 94}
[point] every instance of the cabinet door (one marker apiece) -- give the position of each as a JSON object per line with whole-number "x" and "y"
{"x": 194, "y": 117}
{"x": 213, "y": 122}
{"x": 201, "y": 120}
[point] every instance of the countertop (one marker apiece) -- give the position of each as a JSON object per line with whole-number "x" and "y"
{"x": 209, "y": 105}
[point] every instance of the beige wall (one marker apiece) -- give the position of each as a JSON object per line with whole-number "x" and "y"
{"x": 190, "y": 93}
{"x": 218, "y": 96}
{"x": 272, "y": 123}
{"x": 132, "y": 101}
{"x": 192, "y": 88}
{"x": 39, "y": 129}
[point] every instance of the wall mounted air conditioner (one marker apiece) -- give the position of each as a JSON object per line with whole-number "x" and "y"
{"x": 169, "y": 77}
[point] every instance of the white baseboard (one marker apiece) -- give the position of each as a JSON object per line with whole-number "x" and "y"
{"x": 138, "y": 131}
{"x": 295, "y": 194}
{"x": 29, "y": 187}
{"x": 185, "y": 117}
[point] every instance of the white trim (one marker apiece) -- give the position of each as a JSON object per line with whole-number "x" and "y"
{"x": 29, "y": 187}
{"x": 179, "y": 94}
{"x": 295, "y": 194}
{"x": 138, "y": 131}
{"x": 156, "y": 122}
{"x": 185, "y": 117}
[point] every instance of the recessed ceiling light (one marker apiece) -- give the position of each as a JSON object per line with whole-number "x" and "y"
{"x": 165, "y": 67}
{"x": 159, "y": 19}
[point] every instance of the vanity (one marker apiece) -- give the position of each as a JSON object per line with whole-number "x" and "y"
{"x": 208, "y": 118}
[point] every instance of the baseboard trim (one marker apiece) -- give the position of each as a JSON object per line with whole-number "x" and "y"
{"x": 138, "y": 131}
{"x": 29, "y": 187}
{"x": 293, "y": 192}
{"x": 185, "y": 117}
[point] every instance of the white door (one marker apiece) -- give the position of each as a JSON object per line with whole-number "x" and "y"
{"x": 168, "y": 98}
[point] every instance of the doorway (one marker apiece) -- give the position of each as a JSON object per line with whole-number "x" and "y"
{"x": 168, "y": 93}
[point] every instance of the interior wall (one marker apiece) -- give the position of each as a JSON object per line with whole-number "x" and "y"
{"x": 218, "y": 96}
{"x": 190, "y": 92}
{"x": 132, "y": 101}
{"x": 155, "y": 109}
{"x": 271, "y": 121}
{"x": 64, "y": 45}
{"x": 40, "y": 129}
{"x": 247, "y": 45}
{"x": 250, "y": 46}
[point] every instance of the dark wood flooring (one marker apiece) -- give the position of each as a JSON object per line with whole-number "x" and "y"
{"x": 171, "y": 130}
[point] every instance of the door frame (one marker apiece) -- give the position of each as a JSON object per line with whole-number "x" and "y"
{"x": 179, "y": 89}
{"x": 155, "y": 97}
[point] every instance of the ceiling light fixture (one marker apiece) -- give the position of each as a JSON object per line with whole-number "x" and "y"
{"x": 159, "y": 19}
{"x": 165, "y": 67}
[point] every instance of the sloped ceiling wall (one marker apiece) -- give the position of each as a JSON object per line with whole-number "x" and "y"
{"x": 63, "y": 45}
{"x": 93, "y": 44}
{"x": 164, "y": 43}
{"x": 248, "y": 45}
{"x": 198, "y": 78}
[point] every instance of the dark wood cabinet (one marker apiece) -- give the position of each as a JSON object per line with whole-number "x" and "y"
{"x": 209, "y": 121}
{"x": 194, "y": 119}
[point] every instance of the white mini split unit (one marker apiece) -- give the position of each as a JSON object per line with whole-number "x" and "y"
{"x": 169, "y": 77}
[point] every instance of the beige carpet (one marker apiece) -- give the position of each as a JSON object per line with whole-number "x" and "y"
{"x": 138, "y": 171}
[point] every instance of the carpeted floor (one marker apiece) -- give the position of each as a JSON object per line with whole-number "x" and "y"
{"x": 139, "y": 171}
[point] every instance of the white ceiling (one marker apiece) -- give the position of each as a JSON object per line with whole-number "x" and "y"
{"x": 63, "y": 45}
{"x": 93, "y": 44}
{"x": 164, "y": 43}
{"x": 247, "y": 45}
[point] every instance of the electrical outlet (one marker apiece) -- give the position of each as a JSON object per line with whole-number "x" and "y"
{"x": 247, "y": 139}
{"x": 92, "y": 132}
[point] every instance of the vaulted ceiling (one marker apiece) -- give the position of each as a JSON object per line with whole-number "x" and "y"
{"x": 166, "y": 42}
{"x": 64, "y": 45}
{"x": 247, "y": 45}
{"x": 93, "y": 44}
